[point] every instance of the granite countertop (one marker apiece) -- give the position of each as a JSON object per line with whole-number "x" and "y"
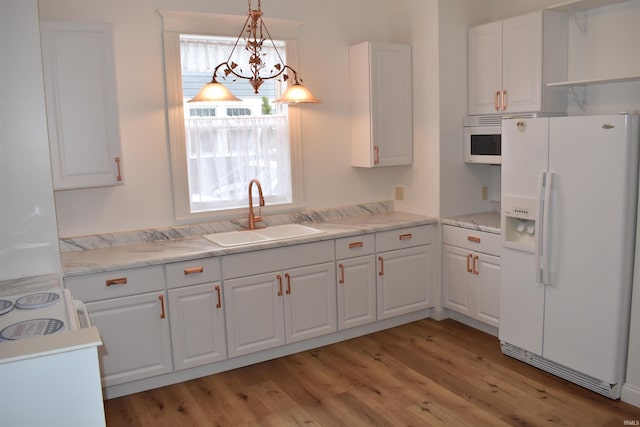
{"x": 25, "y": 285}
{"x": 158, "y": 252}
{"x": 482, "y": 221}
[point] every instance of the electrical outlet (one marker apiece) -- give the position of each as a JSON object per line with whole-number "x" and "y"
{"x": 485, "y": 192}
{"x": 399, "y": 193}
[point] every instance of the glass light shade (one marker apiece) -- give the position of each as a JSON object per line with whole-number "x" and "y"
{"x": 297, "y": 94}
{"x": 214, "y": 91}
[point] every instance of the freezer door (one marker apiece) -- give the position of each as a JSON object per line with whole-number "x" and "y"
{"x": 593, "y": 194}
{"x": 524, "y": 158}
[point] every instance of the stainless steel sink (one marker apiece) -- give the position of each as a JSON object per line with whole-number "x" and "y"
{"x": 247, "y": 237}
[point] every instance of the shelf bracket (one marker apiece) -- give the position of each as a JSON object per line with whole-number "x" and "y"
{"x": 580, "y": 18}
{"x": 579, "y": 96}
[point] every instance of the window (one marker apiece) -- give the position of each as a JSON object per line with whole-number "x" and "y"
{"x": 217, "y": 148}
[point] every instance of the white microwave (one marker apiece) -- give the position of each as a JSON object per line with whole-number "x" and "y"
{"x": 483, "y": 139}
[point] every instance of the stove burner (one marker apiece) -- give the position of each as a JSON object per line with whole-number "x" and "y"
{"x": 5, "y": 306}
{"x": 31, "y": 328}
{"x": 40, "y": 300}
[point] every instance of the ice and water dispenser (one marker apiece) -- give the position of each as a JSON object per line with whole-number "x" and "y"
{"x": 519, "y": 222}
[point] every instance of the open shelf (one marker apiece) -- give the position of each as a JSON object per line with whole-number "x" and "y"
{"x": 594, "y": 81}
{"x": 580, "y": 5}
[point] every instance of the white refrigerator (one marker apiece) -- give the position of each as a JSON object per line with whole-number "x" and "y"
{"x": 569, "y": 192}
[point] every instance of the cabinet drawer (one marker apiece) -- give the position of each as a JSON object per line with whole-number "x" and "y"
{"x": 193, "y": 272}
{"x": 115, "y": 284}
{"x": 404, "y": 238}
{"x": 349, "y": 247}
{"x": 473, "y": 240}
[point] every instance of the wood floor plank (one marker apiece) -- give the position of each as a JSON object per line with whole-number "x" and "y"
{"x": 424, "y": 373}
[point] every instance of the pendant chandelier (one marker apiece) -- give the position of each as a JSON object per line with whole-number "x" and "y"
{"x": 254, "y": 31}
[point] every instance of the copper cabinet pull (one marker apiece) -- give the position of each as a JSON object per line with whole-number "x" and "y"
{"x": 496, "y": 101}
{"x": 381, "y": 261}
{"x": 119, "y": 281}
{"x": 475, "y": 265}
{"x": 504, "y": 100}
{"x": 219, "y": 304}
{"x": 354, "y": 245}
{"x": 473, "y": 239}
{"x": 119, "y": 177}
{"x": 193, "y": 270}
{"x": 406, "y": 236}
{"x": 341, "y": 267}
{"x": 162, "y": 314}
{"x": 376, "y": 155}
{"x": 279, "y": 277}
{"x": 469, "y": 270}
{"x": 288, "y": 292}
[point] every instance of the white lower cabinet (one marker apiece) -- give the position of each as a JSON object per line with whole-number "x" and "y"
{"x": 471, "y": 273}
{"x": 129, "y": 309}
{"x": 197, "y": 313}
{"x": 356, "y": 272}
{"x": 279, "y": 307}
{"x": 405, "y": 271}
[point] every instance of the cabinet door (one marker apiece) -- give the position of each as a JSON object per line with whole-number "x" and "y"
{"x": 197, "y": 325}
{"x": 487, "y": 289}
{"x": 381, "y": 104}
{"x": 356, "y": 291}
{"x": 485, "y": 68}
{"x": 405, "y": 281}
{"x": 310, "y": 302}
{"x": 136, "y": 339}
{"x": 82, "y": 115}
{"x": 254, "y": 313}
{"x": 456, "y": 278}
{"x": 522, "y": 62}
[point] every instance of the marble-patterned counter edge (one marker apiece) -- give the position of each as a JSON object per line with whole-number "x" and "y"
{"x": 167, "y": 251}
{"x": 481, "y": 221}
{"x": 97, "y": 241}
{"x": 22, "y": 285}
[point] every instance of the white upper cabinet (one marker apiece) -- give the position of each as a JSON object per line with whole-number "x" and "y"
{"x": 511, "y": 61}
{"x": 82, "y": 115}
{"x": 381, "y": 105}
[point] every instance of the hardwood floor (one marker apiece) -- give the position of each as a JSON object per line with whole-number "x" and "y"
{"x": 423, "y": 373}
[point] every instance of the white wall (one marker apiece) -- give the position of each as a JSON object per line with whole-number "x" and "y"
{"x": 329, "y": 27}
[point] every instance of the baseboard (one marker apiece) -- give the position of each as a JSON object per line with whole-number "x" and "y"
{"x": 631, "y": 394}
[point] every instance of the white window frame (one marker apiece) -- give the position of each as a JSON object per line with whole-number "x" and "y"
{"x": 179, "y": 22}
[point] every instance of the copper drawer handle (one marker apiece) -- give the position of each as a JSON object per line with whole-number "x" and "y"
{"x": 473, "y": 239}
{"x": 119, "y": 281}
{"x": 376, "y": 152}
{"x": 193, "y": 270}
{"x": 354, "y": 245}
{"x": 406, "y": 236}
{"x": 219, "y": 304}
{"x": 475, "y": 265}
{"x": 279, "y": 278}
{"x": 381, "y": 261}
{"x": 162, "y": 314}
{"x": 341, "y": 267}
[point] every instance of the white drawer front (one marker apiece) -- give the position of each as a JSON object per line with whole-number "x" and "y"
{"x": 194, "y": 272}
{"x": 404, "y": 238}
{"x": 350, "y": 247}
{"x": 115, "y": 284}
{"x": 473, "y": 240}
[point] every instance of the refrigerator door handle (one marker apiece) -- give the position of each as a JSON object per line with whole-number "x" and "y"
{"x": 538, "y": 237}
{"x": 546, "y": 231}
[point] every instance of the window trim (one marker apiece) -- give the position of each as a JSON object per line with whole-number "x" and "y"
{"x": 179, "y": 22}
